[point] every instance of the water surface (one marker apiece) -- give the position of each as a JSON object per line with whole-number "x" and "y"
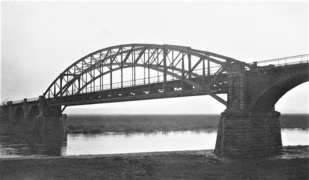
{"x": 115, "y": 143}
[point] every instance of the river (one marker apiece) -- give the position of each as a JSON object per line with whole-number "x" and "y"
{"x": 115, "y": 143}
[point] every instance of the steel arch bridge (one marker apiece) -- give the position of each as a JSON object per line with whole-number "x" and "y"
{"x": 249, "y": 126}
{"x": 142, "y": 69}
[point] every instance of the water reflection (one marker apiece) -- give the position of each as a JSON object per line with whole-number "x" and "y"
{"x": 294, "y": 137}
{"x": 113, "y": 143}
{"x": 32, "y": 145}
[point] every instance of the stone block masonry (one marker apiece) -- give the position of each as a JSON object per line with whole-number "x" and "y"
{"x": 250, "y": 126}
{"x": 54, "y": 125}
{"x": 248, "y": 135}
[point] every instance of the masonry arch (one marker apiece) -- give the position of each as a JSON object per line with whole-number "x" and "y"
{"x": 291, "y": 102}
{"x": 34, "y": 111}
{"x": 271, "y": 95}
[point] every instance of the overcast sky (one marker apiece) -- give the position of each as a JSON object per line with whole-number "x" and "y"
{"x": 41, "y": 39}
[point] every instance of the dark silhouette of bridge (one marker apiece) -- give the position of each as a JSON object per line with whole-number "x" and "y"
{"x": 248, "y": 127}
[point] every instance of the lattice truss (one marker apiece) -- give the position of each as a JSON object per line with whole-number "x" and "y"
{"x": 138, "y": 64}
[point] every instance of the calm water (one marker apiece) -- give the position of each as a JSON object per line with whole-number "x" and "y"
{"x": 113, "y": 143}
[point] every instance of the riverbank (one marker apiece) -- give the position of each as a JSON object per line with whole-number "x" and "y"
{"x": 95, "y": 124}
{"x": 91, "y": 124}
{"x": 140, "y": 123}
{"x": 293, "y": 164}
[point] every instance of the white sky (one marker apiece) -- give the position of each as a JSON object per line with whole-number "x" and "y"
{"x": 41, "y": 39}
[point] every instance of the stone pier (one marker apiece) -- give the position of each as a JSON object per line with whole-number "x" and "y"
{"x": 250, "y": 126}
{"x": 248, "y": 135}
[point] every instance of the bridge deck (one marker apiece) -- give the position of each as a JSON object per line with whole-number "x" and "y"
{"x": 141, "y": 92}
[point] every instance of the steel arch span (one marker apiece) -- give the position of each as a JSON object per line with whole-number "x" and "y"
{"x": 175, "y": 68}
{"x": 147, "y": 71}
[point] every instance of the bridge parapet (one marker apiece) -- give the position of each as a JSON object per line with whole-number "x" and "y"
{"x": 291, "y": 60}
{"x": 33, "y": 99}
{"x": 17, "y": 101}
{"x": 25, "y": 100}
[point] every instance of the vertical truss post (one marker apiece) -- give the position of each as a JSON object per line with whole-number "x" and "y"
{"x": 144, "y": 75}
{"x": 85, "y": 74}
{"x": 94, "y": 81}
{"x": 182, "y": 72}
{"x": 132, "y": 83}
{"x": 203, "y": 77}
{"x": 121, "y": 71}
{"x": 134, "y": 79}
{"x": 144, "y": 68}
{"x": 101, "y": 76}
{"x": 189, "y": 65}
{"x": 158, "y": 64}
{"x": 78, "y": 84}
{"x": 208, "y": 68}
{"x": 68, "y": 87}
{"x": 90, "y": 77}
{"x": 173, "y": 63}
{"x": 148, "y": 72}
{"x": 74, "y": 83}
{"x": 101, "y": 72}
{"x": 61, "y": 76}
{"x": 83, "y": 89}
{"x": 86, "y": 82}
{"x": 55, "y": 93}
{"x": 134, "y": 68}
{"x": 164, "y": 69}
{"x": 91, "y": 83}
{"x": 73, "y": 88}
{"x": 111, "y": 78}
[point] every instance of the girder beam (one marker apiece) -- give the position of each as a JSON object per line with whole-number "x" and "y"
{"x": 218, "y": 98}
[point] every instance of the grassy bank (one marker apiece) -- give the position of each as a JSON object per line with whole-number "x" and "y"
{"x": 140, "y": 123}
{"x": 153, "y": 123}
{"x": 300, "y": 121}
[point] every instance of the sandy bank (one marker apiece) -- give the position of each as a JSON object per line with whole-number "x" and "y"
{"x": 293, "y": 164}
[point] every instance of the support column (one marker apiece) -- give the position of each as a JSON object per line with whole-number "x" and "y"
{"x": 10, "y": 111}
{"x": 244, "y": 132}
{"x": 25, "y": 107}
{"x": 52, "y": 122}
{"x": 249, "y": 135}
{"x": 41, "y": 105}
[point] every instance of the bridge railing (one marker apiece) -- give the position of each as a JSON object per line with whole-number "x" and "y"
{"x": 28, "y": 100}
{"x": 138, "y": 82}
{"x": 17, "y": 102}
{"x": 285, "y": 61}
{"x": 125, "y": 84}
{"x": 33, "y": 99}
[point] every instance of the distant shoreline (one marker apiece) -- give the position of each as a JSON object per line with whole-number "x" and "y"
{"x": 162, "y": 123}
{"x": 141, "y": 123}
